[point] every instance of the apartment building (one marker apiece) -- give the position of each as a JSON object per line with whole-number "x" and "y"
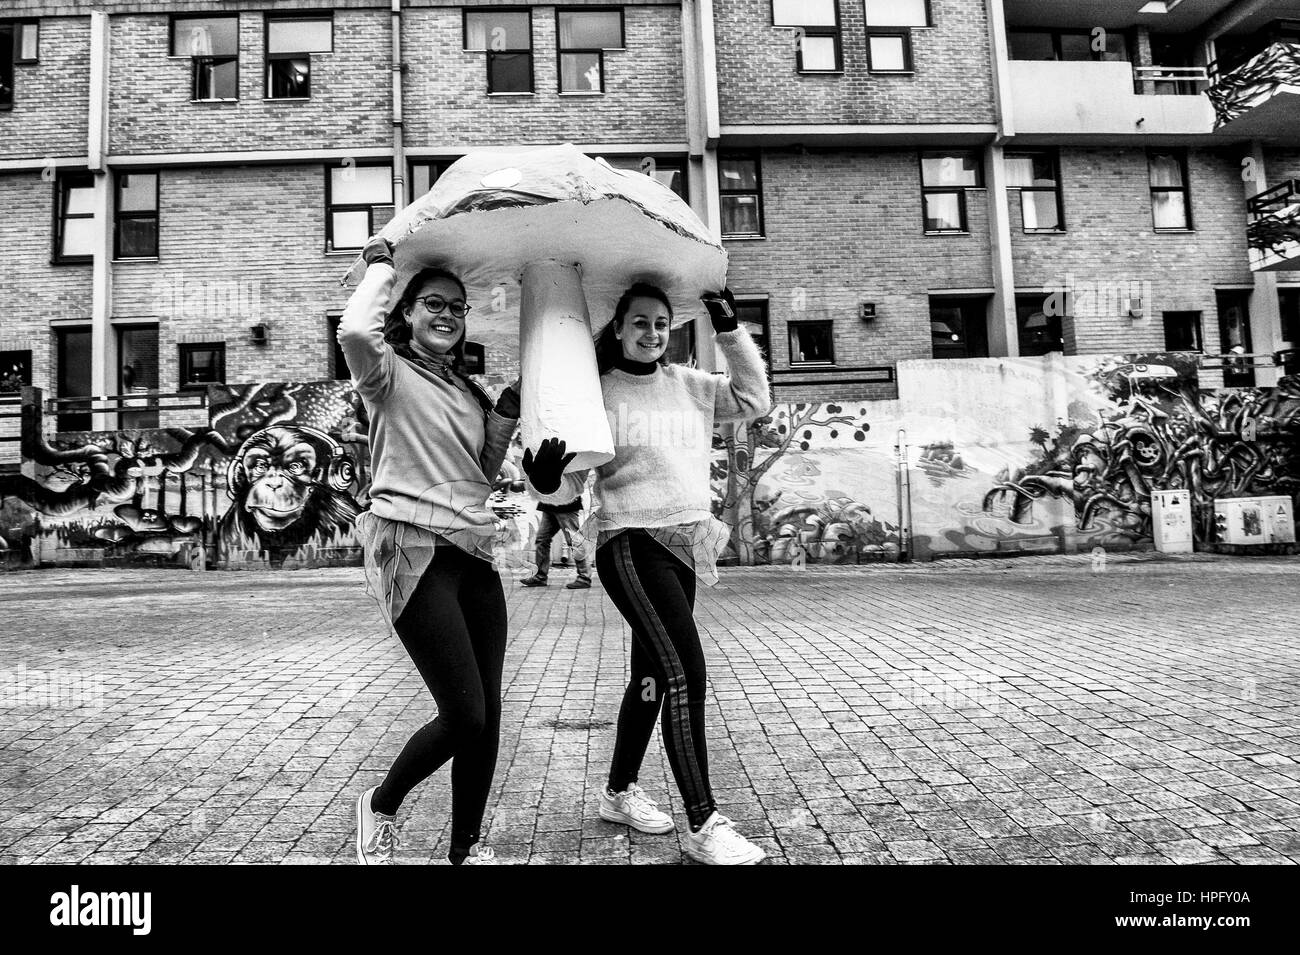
{"x": 183, "y": 183}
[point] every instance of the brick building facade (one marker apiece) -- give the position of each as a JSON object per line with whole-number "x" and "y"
{"x": 892, "y": 179}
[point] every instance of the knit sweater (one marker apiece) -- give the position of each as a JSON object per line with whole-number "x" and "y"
{"x": 662, "y": 424}
{"x": 434, "y": 449}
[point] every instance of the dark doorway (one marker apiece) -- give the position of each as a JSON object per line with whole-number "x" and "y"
{"x": 1234, "y": 336}
{"x": 73, "y": 378}
{"x": 959, "y": 327}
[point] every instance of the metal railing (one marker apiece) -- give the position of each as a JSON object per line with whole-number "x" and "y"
{"x": 1178, "y": 80}
{"x": 1275, "y": 200}
{"x": 140, "y": 409}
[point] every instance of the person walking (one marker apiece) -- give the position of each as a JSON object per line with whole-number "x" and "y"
{"x": 556, "y": 518}
{"x": 656, "y": 537}
{"x": 436, "y": 442}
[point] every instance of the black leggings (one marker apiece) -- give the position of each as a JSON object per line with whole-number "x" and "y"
{"x": 454, "y": 628}
{"x": 655, "y": 593}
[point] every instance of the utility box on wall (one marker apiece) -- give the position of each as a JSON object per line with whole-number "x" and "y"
{"x": 1255, "y": 520}
{"x": 1171, "y": 521}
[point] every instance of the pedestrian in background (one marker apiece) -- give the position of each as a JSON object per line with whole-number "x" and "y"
{"x": 566, "y": 518}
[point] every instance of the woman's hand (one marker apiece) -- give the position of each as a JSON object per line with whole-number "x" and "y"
{"x": 722, "y": 310}
{"x": 545, "y": 470}
{"x": 508, "y": 401}
{"x": 377, "y": 249}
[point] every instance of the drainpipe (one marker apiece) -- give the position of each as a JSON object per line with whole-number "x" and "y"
{"x": 103, "y": 345}
{"x": 700, "y": 73}
{"x": 400, "y": 198}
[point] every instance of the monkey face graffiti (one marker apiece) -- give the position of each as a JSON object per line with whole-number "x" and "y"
{"x": 288, "y": 484}
{"x": 282, "y": 472}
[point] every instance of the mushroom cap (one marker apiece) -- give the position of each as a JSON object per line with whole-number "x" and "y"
{"x": 491, "y": 213}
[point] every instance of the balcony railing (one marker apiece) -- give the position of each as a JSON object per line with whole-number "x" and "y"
{"x": 138, "y": 410}
{"x": 1273, "y": 233}
{"x": 1171, "y": 80}
{"x": 1236, "y": 92}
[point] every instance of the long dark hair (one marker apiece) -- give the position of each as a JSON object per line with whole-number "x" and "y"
{"x": 608, "y": 348}
{"x": 398, "y": 333}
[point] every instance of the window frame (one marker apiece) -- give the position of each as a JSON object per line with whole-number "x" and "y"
{"x": 439, "y": 164}
{"x": 1037, "y": 299}
{"x": 20, "y": 24}
{"x": 197, "y": 61}
{"x": 7, "y": 27}
{"x": 905, "y": 33}
{"x": 331, "y": 207}
{"x": 921, "y": 155}
{"x": 1180, "y": 154}
{"x": 185, "y": 352}
{"x": 61, "y": 185}
{"x": 268, "y": 57}
{"x": 929, "y": 18}
{"x": 600, "y": 52}
{"x": 756, "y": 156}
{"x": 1058, "y": 33}
{"x": 1290, "y": 313}
{"x": 8, "y": 355}
{"x": 1055, "y": 156}
{"x": 488, "y": 54}
{"x": 764, "y": 304}
{"x": 835, "y": 32}
{"x": 792, "y": 326}
{"x": 981, "y": 339}
{"x": 119, "y": 215}
{"x": 677, "y": 161}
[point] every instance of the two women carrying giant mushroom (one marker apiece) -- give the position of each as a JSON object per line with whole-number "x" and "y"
{"x": 642, "y": 425}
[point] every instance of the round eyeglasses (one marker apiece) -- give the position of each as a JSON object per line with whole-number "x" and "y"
{"x": 436, "y": 304}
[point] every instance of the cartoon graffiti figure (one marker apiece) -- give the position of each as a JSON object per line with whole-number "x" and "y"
{"x": 289, "y": 484}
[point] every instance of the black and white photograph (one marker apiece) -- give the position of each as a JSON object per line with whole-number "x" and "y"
{"x": 849, "y": 433}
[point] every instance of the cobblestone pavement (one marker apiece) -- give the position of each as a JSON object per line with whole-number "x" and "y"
{"x": 1031, "y": 711}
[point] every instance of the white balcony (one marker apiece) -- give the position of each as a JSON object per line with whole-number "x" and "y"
{"x": 1088, "y": 99}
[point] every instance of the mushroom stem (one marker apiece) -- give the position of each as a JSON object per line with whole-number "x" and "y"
{"x": 561, "y": 384}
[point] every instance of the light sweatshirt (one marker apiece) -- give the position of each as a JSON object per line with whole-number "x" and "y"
{"x": 434, "y": 449}
{"x": 662, "y": 424}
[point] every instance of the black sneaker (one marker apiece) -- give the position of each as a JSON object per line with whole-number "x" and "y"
{"x": 534, "y": 581}
{"x": 578, "y": 583}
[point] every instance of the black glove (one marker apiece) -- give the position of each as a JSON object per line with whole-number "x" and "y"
{"x": 722, "y": 310}
{"x": 545, "y": 470}
{"x": 508, "y": 401}
{"x": 377, "y": 249}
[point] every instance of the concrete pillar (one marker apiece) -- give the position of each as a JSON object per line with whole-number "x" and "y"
{"x": 1265, "y": 309}
{"x": 103, "y": 341}
{"x": 1004, "y": 339}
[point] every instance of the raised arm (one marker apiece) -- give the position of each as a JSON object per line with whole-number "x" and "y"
{"x": 499, "y": 427}
{"x": 361, "y": 329}
{"x": 744, "y": 394}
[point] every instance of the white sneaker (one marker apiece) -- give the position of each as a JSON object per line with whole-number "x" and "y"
{"x": 480, "y": 855}
{"x": 634, "y": 808}
{"x": 718, "y": 843}
{"x": 376, "y": 833}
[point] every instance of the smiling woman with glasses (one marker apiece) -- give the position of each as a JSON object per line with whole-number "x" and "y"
{"x": 437, "y": 444}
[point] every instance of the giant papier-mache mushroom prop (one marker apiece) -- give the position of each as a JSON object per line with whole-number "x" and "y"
{"x": 571, "y": 233}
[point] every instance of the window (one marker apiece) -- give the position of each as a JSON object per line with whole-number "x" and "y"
{"x": 584, "y": 36}
{"x": 811, "y": 343}
{"x": 681, "y": 345}
{"x": 506, "y": 36}
{"x": 945, "y": 177}
{"x": 359, "y": 202}
{"x": 15, "y": 371}
{"x": 423, "y": 176}
{"x": 1098, "y": 45}
{"x": 72, "y": 377}
{"x": 202, "y": 365}
{"x": 959, "y": 327}
{"x": 1170, "y": 199}
{"x": 137, "y": 352}
{"x": 74, "y": 217}
{"x": 753, "y": 317}
{"x": 339, "y": 364}
{"x": 889, "y": 33}
{"x": 740, "y": 196}
{"x": 212, "y": 44}
{"x": 290, "y": 41}
{"x": 1036, "y": 175}
{"x": 1288, "y": 300}
{"x": 1039, "y": 333}
{"x": 135, "y": 231}
{"x": 18, "y": 45}
{"x": 819, "y": 43}
{"x": 670, "y": 170}
{"x": 1182, "y": 331}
